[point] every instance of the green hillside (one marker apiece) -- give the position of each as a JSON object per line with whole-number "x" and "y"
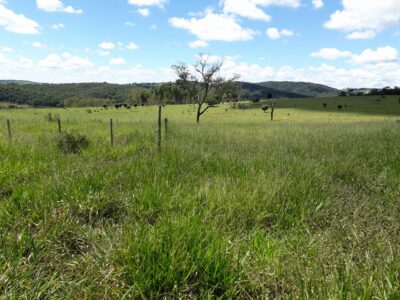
{"x": 253, "y": 91}
{"x": 303, "y": 88}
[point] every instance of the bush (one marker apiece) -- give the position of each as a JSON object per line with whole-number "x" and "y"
{"x": 70, "y": 142}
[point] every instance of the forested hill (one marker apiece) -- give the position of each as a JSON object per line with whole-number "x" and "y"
{"x": 96, "y": 94}
{"x": 16, "y": 82}
{"x": 307, "y": 89}
{"x": 255, "y": 91}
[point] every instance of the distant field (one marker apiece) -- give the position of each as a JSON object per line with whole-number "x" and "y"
{"x": 306, "y": 206}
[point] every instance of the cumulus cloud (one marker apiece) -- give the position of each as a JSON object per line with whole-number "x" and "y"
{"x": 365, "y": 18}
{"x": 159, "y": 3}
{"x": 214, "y": 27}
{"x": 198, "y": 44}
{"x": 366, "y": 75}
{"x": 252, "y": 8}
{"x": 248, "y": 9}
{"x": 65, "y": 61}
{"x": 275, "y": 33}
{"x": 56, "y": 6}
{"x": 7, "y": 50}
{"x": 58, "y": 26}
{"x": 17, "y": 23}
{"x": 386, "y": 54}
{"x": 117, "y": 61}
{"x": 66, "y": 67}
{"x": 132, "y": 46}
{"x": 381, "y": 55}
{"x": 331, "y": 53}
{"x": 107, "y": 45}
{"x": 248, "y": 72}
{"x": 361, "y": 35}
{"x": 38, "y": 45}
{"x": 144, "y": 12}
{"x": 318, "y": 3}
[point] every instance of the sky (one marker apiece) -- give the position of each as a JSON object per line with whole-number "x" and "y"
{"x": 348, "y": 43}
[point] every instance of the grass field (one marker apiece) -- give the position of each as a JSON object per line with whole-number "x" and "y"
{"x": 304, "y": 207}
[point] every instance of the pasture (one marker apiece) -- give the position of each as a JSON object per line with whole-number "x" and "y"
{"x": 306, "y": 206}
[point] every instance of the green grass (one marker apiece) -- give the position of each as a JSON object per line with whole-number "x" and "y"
{"x": 303, "y": 207}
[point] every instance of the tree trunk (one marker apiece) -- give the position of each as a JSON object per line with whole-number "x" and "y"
{"x": 272, "y": 110}
{"x": 198, "y": 114}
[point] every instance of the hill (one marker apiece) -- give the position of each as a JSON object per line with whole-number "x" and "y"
{"x": 307, "y": 89}
{"x": 16, "y": 82}
{"x": 44, "y": 94}
{"x": 253, "y": 91}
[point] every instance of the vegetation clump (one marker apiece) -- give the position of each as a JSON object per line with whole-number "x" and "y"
{"x": 72, "y": 142}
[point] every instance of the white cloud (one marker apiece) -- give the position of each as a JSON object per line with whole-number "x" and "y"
{"x": 286, "y": 32}
{"x": 58, "y": 26}
{"x": 248, "y": 72}
{"x": 275, "y": 33}
{"x": 251, "y": 8}
{"x": 381, "y": 55}
{"x": 247, "y": 9}
{"x": 38, "y": 45}
{"x": 153, "y": 27}
{"x": 362, "y": 18}
{"x": 7, "y": 50}
{"x": 107, "y": 45}
{"x": 132, "y": 46}
{"x": 159, "y": 3}
{"x": 331, "y": 53}
{"x": 65, "y": 61}
{"x": 118, "y": 61}
{"x": 130, "y": 24}
{"x": 56, "y": 6}
{"x": 69, "y": 68}
{"x": 144, "y": 12}
{"x": 318, "y": 3}
{"x": 361, "y": 35}
{"x": 214, "y": 27}
{"x": 17, "y": 23}
{"x": 198, "y": 44}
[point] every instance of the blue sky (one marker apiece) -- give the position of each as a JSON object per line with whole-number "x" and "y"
{"x": 339, "y": 43}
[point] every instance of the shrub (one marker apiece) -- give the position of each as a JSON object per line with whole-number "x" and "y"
{"x": 70, "y": 142}
{"x": 242, "y": 106}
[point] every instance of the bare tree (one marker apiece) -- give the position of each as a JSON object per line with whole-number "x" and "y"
{"x": 206, "y": 71}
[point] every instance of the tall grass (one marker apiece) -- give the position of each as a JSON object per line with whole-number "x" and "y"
{"x": 238, "y": 207}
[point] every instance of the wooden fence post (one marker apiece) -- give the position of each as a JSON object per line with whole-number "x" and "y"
{"x": 111, "y": 133}
{"x": 59, "y": 125}
{"x": 159, "y": 127}
{"x": 272, "y": 109}
{"x": 9, "y": 131}
{"x": 166, "y": 128}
